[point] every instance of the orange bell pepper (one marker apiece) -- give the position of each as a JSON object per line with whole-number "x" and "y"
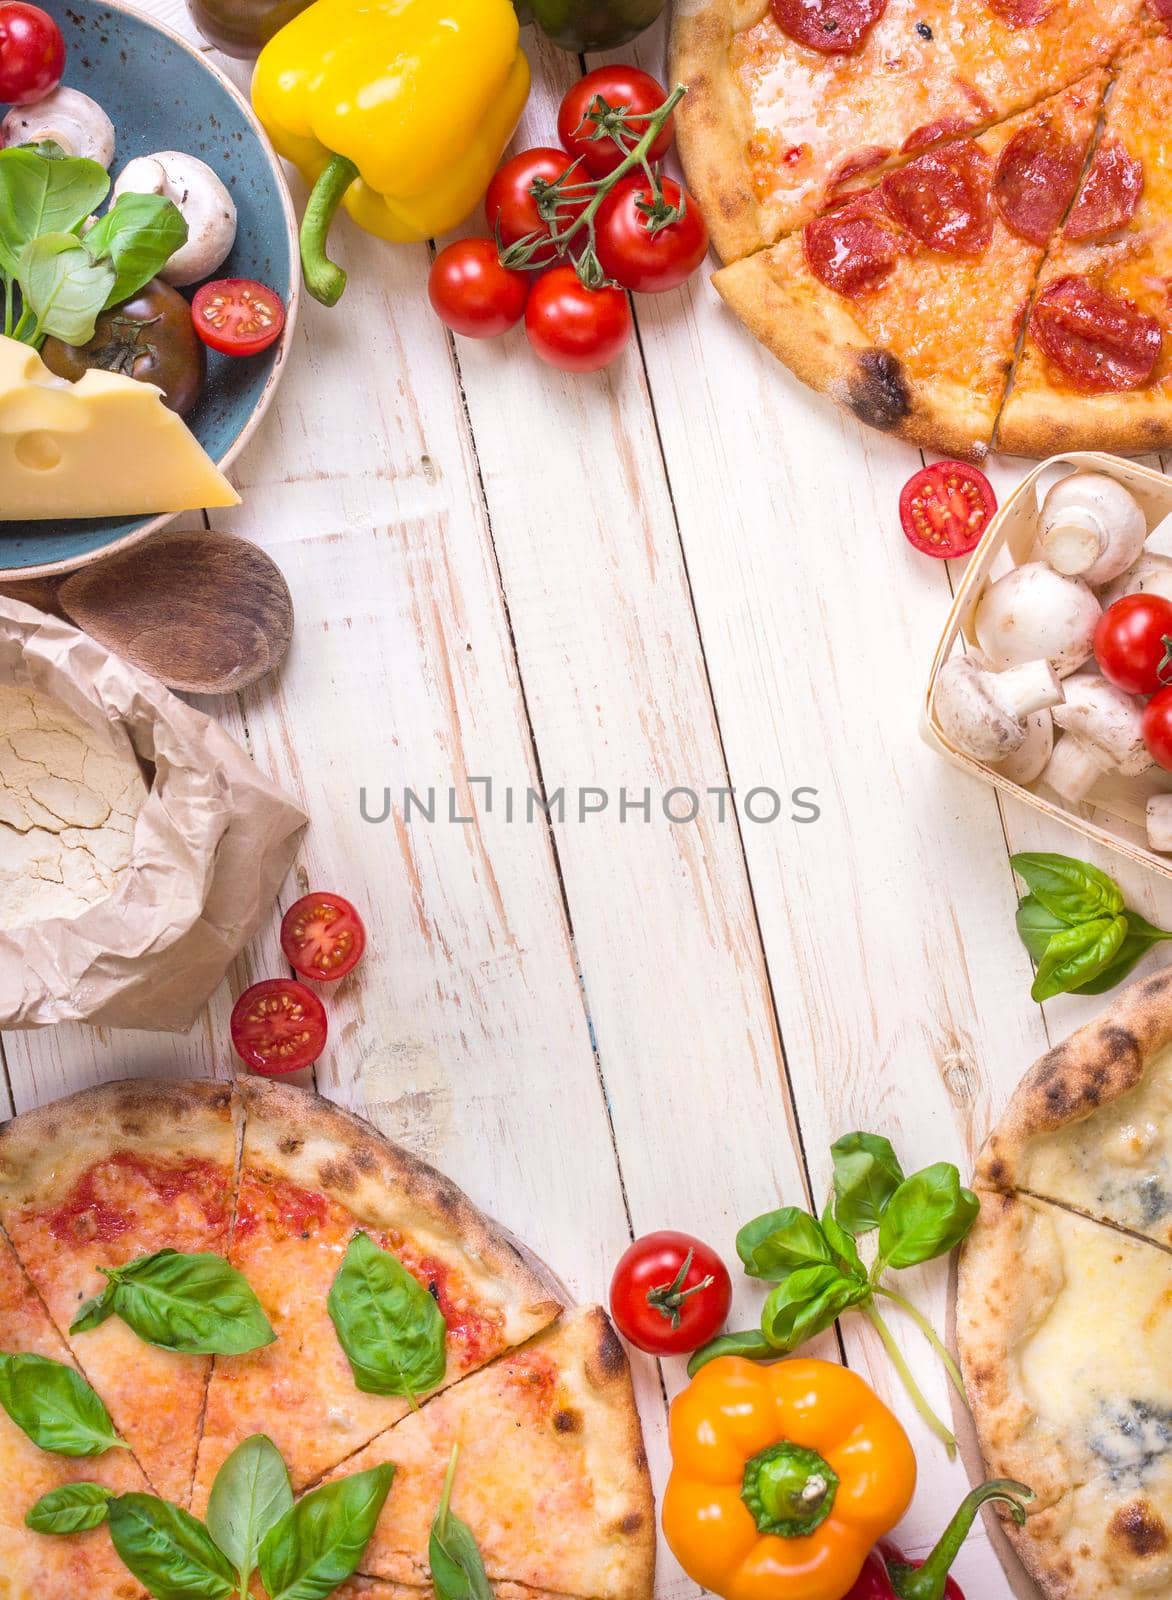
{"x": 783, "y": 1477}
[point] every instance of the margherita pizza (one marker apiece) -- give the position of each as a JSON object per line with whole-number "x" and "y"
{"x": 274, "y": 1190}
{"x": 902, "y": 188}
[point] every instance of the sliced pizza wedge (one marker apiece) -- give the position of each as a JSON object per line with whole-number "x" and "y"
{"x": 36, "y": 1566}
{"x": 99, "y": 1180}
{"x": 905, "y": 303}
{"x": 791, "y": 100}
{"x": 1096, "y": 365}
{"x": 1081, "y": 1415}
{"x": 312, "y": 1178}
{"x": 1090, "y": 1125}
{"x": 551, "y": 1475}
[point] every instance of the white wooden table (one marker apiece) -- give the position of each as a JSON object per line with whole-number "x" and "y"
{"x": 685, "y": 572}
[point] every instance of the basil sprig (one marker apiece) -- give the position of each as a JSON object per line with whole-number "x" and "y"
{"x": 457, "y": 1567}
{"x": 251, "y": 1494}
{"x": 196, "y": 1304}
{"x": 319, "y": 1543}
{"x": 55, "y": 1406}
{"x": 387, "y": 1323}
{"x": 73, "y": 1508}
{"x": 816, "y": 1268}
{"x": 1076, "y": 927}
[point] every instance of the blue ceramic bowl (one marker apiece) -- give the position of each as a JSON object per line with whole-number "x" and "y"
{"x": 161, "y": 94}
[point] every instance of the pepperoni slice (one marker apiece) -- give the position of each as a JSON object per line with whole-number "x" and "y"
{"x": 833, "y": 27}
{"x": 942, "y": 199}
{"x": 1101, "y": 341}
{"x": 1109, "y": 196}
{"x": 1021, "y": 13}
{"x": 851, "y": 250}
{"x": 864, "y": 160}
{"x": 1162, "y": 11}
{"x": 1035, "y": 181}
{"x": 934, "y": 132}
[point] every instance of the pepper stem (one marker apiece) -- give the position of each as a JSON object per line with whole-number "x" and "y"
{"x": 928, "y": 1582}
{"x": 788, "y": 1490}
{"x": 324, "y": 279}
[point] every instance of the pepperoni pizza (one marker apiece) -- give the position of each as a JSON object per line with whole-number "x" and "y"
{"x": 953, "y": 216}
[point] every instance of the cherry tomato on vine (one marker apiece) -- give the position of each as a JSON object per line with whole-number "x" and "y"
{"x": 322, "y": 936}
{"x": 471, "y": 292}
{"x": 670, "y": 1293}
{"x": 238, "y": 316}
{"x": 945, "y": 508}
{"x": 1157, "y": 728}
{"x": 278, "y": 1026}
{"x": 510, "y": 205}
{"x": 1133, "y": 643}
{"x": 575, "y": 328}
{"x": 620, "y": 87}
{"x": 641, "y": 251}
{"x": 32, "y": 53}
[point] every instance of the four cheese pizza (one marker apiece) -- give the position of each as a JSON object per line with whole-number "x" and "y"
{"x": 949, "y": 215}
{"x": 269, "y": 1196}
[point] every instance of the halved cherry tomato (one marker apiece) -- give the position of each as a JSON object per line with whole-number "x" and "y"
{"x": 238, "y": 316}
{"x": 278, "y": 1026}
{"x": 642, "y": 250}
{"x": 1133, "y": 643}
{"x": 622, "y": 88}
{"x": 510, "y": 204}
{"x": 945, "y": 508}
{"x": 575, "y": 328}
{"x": 32, "y": 54}
{"x": 472, "y": 293}
{"x": 1157, "y": 728}
{"x": 670, "y": 1293}
{"x": 322, "y": 936}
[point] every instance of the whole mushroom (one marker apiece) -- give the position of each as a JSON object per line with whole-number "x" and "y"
{"x": 1159, "y": 822}
{"x": 985, "y": 713}
{"x": 1092, "y": 528}
{"x": 1034, "y": 613}
{"x": 207, "y": 208}
{"x": 67, "y": 118}
{"x": 1151, "y": 573}
{"x": 1103, "y": 733}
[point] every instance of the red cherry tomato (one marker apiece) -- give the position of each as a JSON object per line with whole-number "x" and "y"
{"x": 622, "y": 88}
{"x": 1157, "y": 728}
{"x": 322, "y": 936}
{"x": 670, "y": 1293}
{"x": 945, "y": 508}
{"x": 641, "y": 255}
{"x": 278, "y": 1026}
{"x": 1133, "y": 643}
{"x": 471, "y": 292}
{"x": 238, "y": 316}
{"x": 575, "y": 328}
{"x": 32, "y": 54}
{"x": 510, "y": 204}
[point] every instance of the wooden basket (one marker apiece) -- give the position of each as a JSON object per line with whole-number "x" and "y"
{"x": 1113, "y": 813}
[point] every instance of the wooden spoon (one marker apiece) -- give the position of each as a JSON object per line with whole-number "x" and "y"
{"x": 207, "y": 613}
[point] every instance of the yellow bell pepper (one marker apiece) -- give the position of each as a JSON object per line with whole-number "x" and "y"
{"x": 397, "y": 109}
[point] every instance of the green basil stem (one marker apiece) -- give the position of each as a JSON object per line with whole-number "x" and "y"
{"x": 943, "y": 1433}
{"x": 9, "y": 305}
{"x": 929, "y": 1581}
{"x": 324, "y": 279}
{"x": 441, "y": 1516}
{"x": 930, "y": 1334}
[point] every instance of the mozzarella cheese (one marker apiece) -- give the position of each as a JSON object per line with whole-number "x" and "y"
{"x": 105, "y": 446}
{"x": 68, "y": 805}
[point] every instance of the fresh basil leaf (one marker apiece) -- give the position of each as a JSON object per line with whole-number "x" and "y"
{"x": 752, "y": 1345}
{"x": 94, "y": 1312}
{"x": 197, "y": 1304}
{"x": 1141, "y": 937}
{"x": 63, "y": 286}
{"x": 1075, "y": 891}
{"x": 319, "y": 1543}
{"x": 138, "y": 235}
{"x": 55, "y": 1406}
{"x": 842, "y": 1243}
{"x": 1036, "y": 926}
{"x": 1078, "y": 955}
{"x": 249, "y": 1497}
{"x": 74, "y": 1508}
{"x": 387, "y": 1323}
{"x": 457, "y": 1567}
{"x": 778, "y": 1243}
{"x": 926, "y": 1217}
{"x": 168, "y": 1550}
{"x": 866, "y": 1175}
{"x": 42, "y": 193}
{"x": 808, "y": 1303}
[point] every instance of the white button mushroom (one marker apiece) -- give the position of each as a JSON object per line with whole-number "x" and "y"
{"x": 1104, "y": 733}
{"x": 1031, "y": 758}
{"x": 1092, "y": 528}
{"x": 1151, "y": 573}
{"x": 1033, "y": 613}
{"x": 984, "y": 713}
{"x": 207, "y": 207}
{"x": 1159, "y": 819}
{"x": 66, "y": 117}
